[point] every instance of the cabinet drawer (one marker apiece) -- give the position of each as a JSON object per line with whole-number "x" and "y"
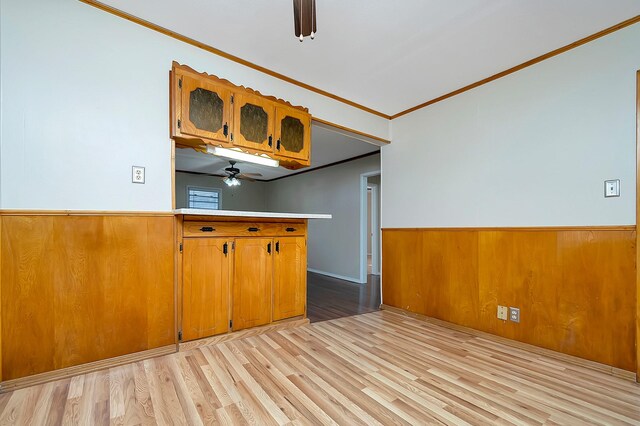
{"x": 234, "y": 229}
{"x": 293, "y": 229}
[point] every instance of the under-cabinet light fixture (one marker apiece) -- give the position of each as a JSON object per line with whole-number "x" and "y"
{"x": 243, "y": 156}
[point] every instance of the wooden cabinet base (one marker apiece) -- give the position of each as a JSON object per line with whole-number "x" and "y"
{"x": 239, "y": 274}
{"x": 276, "y": 326}
{"x": 63, "y": 373}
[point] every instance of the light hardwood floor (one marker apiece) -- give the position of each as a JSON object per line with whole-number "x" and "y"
{"x": 375, "y": 368}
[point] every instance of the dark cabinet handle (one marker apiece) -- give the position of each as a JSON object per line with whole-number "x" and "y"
{"x": 290, "y": 229}
{"x": 225, "y": 130}
{"x": 278, "y": 145}
{"x": 207, "y": 229}
{"x": 253, "y": 229}
{"x": 270, "y": 141}
{"x": 225, "y": 248}
{"x": 269, "y": 248}
{"x": 278, "y": 247}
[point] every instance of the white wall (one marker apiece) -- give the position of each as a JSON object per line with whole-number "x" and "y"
{"x": 84, "y": 96}
{"x": 250, "y": 196}
{"x": 334, "y": 245}
{"x": 529, "y": 149}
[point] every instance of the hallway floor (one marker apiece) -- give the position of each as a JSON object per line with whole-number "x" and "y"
{"x": 331, "y": 298}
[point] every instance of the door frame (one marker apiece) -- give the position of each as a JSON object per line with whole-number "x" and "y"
{"x": 363, "y": 225}
{"x": 637, "y": 228}
{"x": 375, "y": 229}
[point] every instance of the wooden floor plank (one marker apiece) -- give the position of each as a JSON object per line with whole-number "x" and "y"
{"x": 330, "y": 298}
{"x": 372, "y": 369}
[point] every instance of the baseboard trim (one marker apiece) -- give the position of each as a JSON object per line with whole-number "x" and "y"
{"x": 208, "y": 341}
{"x": 340, "y": 277}
{"x": 603, "y": 368}
{"x": 90, "y": 367}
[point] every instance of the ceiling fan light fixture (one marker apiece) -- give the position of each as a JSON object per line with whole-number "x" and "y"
{"x": 243, "y": 156}
{"x": 232, "y": 181}
{"x": 304, "y": 19}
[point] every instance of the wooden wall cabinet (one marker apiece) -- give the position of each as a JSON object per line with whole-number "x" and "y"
{"x": 254, "y": 122}
{"x": 206, "y": 110}
{"x": 241, "y": 274}
{"x": 293, "y": 133}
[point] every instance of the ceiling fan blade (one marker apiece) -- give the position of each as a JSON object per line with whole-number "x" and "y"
{"x": 252, "y": 174}
{"x": 245, "y": 177}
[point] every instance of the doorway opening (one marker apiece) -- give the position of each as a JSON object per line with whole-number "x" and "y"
{"x": 373, "y": 225}
{"x": 370, "y": 252}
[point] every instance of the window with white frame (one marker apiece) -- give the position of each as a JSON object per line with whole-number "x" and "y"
{"x": 203, "y": 198}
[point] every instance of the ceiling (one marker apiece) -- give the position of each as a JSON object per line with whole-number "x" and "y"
{"x": 329, "y": 146}
{"x": 387, "y": 55}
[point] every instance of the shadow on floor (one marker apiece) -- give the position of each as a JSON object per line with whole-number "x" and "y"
{"x": 330, "y": 298}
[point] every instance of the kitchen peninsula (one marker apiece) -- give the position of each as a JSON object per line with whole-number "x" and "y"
{"x": 92, "y": 290}
{"x": 240, "y": 269}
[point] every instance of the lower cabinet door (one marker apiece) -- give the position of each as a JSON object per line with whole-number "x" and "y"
{"x": 289, "y": 278}
{"x": 252, "y": 278}
{"x": 205, "y": 296}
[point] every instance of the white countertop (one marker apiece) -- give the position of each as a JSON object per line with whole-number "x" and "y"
{"x": 277, "y": 215}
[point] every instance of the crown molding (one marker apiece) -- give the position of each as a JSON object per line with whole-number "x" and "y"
{"x": 215, "y": 51}
{"x": 523, "y": 65}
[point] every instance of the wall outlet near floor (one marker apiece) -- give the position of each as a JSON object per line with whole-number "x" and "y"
{"x": 502, "y": 312}
{"x": 514, "y": 314}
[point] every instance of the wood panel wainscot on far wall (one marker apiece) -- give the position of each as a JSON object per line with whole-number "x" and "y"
{"x": 575, "y": 287}
{"x": 79, "y": 288}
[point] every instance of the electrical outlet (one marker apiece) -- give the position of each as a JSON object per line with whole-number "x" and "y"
{"x": 514, "y": 314}
{"x": 502, "y": 312}
{"x": 137, "y": 174}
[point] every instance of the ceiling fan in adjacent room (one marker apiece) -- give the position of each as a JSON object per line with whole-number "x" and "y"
{"x": 233, "y": 175}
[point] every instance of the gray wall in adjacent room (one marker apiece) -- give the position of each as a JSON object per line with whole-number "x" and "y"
{"x": 334, "y": 245}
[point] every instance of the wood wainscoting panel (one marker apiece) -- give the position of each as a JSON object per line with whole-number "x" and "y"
{"x": 79, "y": 289}
{"x": 598, "y": 270}
{"x": 575, "y": 287}
{"x": 519, "y": 269}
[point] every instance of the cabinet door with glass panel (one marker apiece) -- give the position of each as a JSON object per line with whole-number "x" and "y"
{"x": 253, "y": 122}
{"x": 293, "y": 133}
{"x": 205, "y": 108}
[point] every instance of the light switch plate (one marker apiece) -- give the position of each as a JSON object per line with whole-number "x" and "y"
{"x": 137, "y": 174}
{"x": 612, "y": 188}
